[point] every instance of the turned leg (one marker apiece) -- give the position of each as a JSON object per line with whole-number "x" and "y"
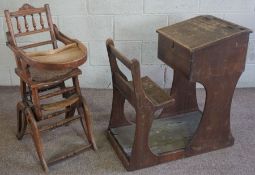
{"x": 21, "y": 121}
{"x": 86, "y": 121}
{"x": 141, "y": 155}
{"x": 184, "y": 93}
{"x": 85, "y": 114}
{"x": 117, "y": 114}
{"x": 36, "y": 103}
{"x": 36, "y": 138}
{"x": 71, "y": 110}
{"x": 23, "y": 90}
{"x": 214, "y": 128}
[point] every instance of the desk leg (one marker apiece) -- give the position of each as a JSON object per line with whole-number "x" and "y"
{"x": 184, "y": 93}
{"x": 214, "y": 128}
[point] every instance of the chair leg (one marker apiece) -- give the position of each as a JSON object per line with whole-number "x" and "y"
{"x": 85, "y": 114}
{"x": 118, "y": 117}
{"x": 86, "y": 121}
{"x": 23, "y": 89}
{"x": 36, "y": 138}
{"x": 21, "y": 121}
{"x": 36, "y": 103}
{"x": 69, "y": 113}
{"x": 141, "y": 155}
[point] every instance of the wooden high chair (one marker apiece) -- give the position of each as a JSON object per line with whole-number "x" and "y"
{"x": 43, "y": 75}
{"x": 132, "y": 141}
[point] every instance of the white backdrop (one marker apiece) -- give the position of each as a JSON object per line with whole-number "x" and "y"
{"x": 132, "y": 24}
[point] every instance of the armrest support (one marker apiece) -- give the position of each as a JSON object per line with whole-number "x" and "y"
{"x": 61, "y": 37}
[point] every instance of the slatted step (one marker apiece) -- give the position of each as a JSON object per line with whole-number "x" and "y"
{"x": 58, "y": 92}
{"x": 60, "y": 104}
{"x": 59, "y": 123}
{"x": 57, "y": 113}
{"x": 68, "y": 155}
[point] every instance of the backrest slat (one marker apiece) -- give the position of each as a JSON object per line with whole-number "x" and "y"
{"x": 18, "y": 24}
{"x": 33, "y": 21}
{"x": 31, "y": 32}
{"x": 121, "y": 57}
{"x": 36, "y": 44}
{"x": 41, "y": 20}
{"x": 120, "y": 81}
{"x": 26, "y": 24}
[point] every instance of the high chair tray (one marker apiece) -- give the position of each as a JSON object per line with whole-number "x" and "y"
{"x": 69, "y": 56}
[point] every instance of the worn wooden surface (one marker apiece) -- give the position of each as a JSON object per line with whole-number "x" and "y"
{"x": 212, "y": 52}
{"x": 156, "y": 95}
{"x": 166, "y": 135}
{"x": 204, "y": 49}
{"x": 146, "y": 97}
{"x": 201, "y": 31}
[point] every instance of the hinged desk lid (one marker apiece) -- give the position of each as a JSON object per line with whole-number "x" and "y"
{"x": 201, "y": 31}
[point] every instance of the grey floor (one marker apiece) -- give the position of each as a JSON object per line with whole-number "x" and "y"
{"x": 19, "y": 157}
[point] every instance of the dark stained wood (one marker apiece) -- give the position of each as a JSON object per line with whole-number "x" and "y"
{"x": 43, "y": 80}
{"x": 166, "y": 134}
{"x": 146, "y": 97}
{"x": 203, "y": 49}
{"x": 201, "y": 31}
{"x": 155, "y": 94}
{"x": 212, "y": 52}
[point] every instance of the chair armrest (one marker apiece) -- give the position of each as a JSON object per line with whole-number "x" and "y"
{"x": 62, "y": 37}
{"x": 19, "y": 53}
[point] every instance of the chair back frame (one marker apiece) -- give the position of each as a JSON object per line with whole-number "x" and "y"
{"x": 134, "y": 93}
{"x": 23, "y": 12}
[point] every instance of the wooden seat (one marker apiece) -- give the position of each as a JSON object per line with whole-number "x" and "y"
{"x": 131, "y": 140}
{"x": 155, "y": 94}
{"x": 42, "y": 80}
{"x": 70, "y": 53}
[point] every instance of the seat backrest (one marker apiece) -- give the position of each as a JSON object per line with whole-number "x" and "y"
{"x": 28, "y": 21}
{"x": 132, "y": 90}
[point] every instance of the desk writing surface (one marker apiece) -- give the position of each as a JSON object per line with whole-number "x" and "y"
{"x": 201, "y": 31}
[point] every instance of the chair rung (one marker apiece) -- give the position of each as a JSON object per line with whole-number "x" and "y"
{"x": 68, "y": 155}
{"x": 59, "y": 123}
{"x": 60, "y": 104}
{"x": 54, "y": 114}
{"x": 58, "y": 92}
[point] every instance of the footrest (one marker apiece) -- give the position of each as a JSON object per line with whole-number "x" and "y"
{"x": 60, "y": 104}
{"x": 68, "y": 155}
{"x": 59, "y": 123}
{"x": 155, "y": 94}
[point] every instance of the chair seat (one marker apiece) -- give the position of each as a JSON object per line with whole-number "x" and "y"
{"x": 154, "y": 93}
{"x": 63, "y": 55}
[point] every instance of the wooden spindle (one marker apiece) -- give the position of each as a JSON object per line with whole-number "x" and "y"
{"x": 41, "y": 20}
{"x": 33, "y": 21}
{"x": 26, "y": 24}
{"x": 18, "y": 24}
